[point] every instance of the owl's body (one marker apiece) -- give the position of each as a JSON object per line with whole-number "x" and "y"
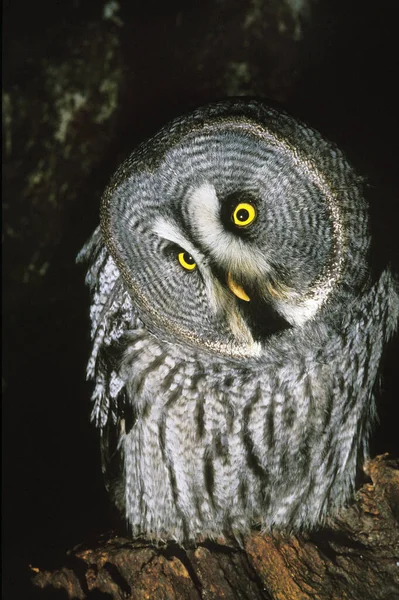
{"x": 237, "y": 332}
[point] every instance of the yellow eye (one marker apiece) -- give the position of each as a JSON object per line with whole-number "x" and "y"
{"x": 244, "y": 214}
{"x": 186, "y": 261}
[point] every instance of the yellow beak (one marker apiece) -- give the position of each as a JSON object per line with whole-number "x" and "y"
{"x": 236, "y": 289}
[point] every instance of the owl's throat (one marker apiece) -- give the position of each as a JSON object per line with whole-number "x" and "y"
{"x": 261, "y": 318}
{"x": 255, "y": 304}
{"x": 254, "y": 298}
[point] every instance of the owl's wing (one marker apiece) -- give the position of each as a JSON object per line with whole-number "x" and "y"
{"x": 111, "y": 315}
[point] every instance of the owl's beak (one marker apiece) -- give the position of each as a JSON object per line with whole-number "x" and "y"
{"x": 236, "y": 289}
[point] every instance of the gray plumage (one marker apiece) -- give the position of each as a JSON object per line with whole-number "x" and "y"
{"x": 218, "y": 414}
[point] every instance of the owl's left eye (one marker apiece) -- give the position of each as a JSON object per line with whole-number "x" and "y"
{"x": 244, "y": 214}
{"x": 186, "y": 261}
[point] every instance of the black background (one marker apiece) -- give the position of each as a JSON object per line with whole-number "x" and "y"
{"x": 53, "y": 495}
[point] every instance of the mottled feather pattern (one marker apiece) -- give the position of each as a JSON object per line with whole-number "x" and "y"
{"x": 217, "y": 433}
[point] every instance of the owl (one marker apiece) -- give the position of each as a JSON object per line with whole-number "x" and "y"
{"x": 237, "y": 329}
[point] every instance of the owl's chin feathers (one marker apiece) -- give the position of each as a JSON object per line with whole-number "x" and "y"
{"x": 262, "y": 319}
{"x": 250, "y": 307}
{"x": 251, "y": 316}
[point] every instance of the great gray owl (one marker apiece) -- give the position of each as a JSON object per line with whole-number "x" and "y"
{"x": 237, "y": 331}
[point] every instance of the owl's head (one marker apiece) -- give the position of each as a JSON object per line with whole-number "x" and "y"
{"x": 233, "y": 224}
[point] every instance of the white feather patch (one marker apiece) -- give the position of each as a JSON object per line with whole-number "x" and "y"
{"x": 298, "y": 314}
{"x": 169, "y": 231}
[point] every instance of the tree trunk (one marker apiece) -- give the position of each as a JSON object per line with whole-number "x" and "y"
{"x": 356, "y": 556}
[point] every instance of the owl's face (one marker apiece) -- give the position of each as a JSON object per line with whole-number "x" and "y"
{"x": 225, "y": 234}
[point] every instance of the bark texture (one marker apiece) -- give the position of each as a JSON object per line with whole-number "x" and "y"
{"x": 355, "y": 556}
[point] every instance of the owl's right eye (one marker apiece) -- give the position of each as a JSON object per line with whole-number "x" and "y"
{"x": 244, "y": 214}
{"x": 186, "y": 261}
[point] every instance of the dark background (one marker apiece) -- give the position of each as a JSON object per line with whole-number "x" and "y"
{"x": 80, "y": 89}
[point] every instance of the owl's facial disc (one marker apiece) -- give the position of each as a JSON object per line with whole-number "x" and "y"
{"x": 225, "y": 234}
